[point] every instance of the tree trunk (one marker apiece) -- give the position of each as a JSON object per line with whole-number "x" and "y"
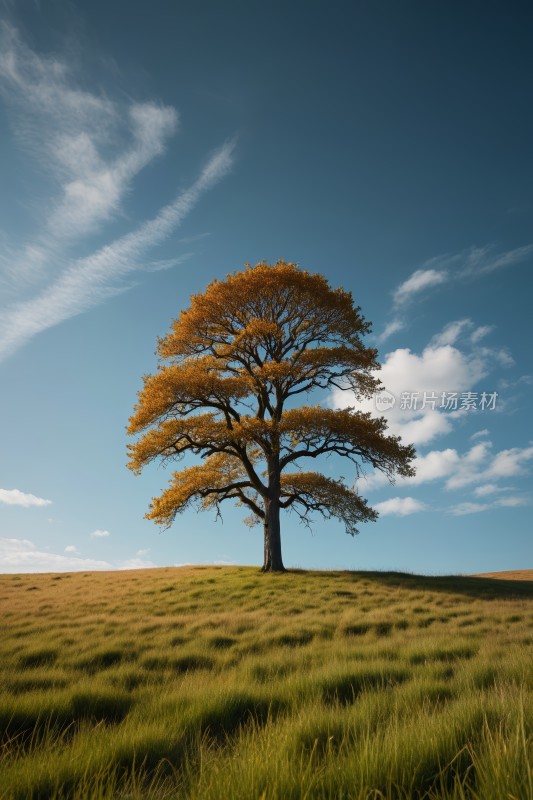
{"x": 273, "y": 561}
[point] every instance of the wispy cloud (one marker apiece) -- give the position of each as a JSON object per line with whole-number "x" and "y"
{"x": 136, "y": 563}
{"x": 461, "y": 509}
{"x": 488, "y": 488}
{"x": 89, "y": 146}
{"x": 468, "y": 264}
{"x": 14, "y": 497}
{"x": 392, "y": 327}
{"x": 22, "y": 555}
{"x": 480, "y": 434}
{"x": 89, "y": 281}
{"x": 479, "y": 333}
{"x": 418, "y": 282}
{"x": 478, "y": 261}
{"x": 216, "y": 563}
{"x": 100, "y": 534}
{"x": 451, "y": 332}
{"x": 92, "y": 148}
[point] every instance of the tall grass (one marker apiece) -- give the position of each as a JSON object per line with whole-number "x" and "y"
{"x": 222, "y": 682}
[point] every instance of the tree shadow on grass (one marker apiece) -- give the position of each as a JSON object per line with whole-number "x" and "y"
{"x": 481, "y": 588}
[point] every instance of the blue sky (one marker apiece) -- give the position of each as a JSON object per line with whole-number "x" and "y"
{"x": 146, "y": 150}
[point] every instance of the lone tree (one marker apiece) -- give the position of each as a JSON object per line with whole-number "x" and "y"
{"x": 229, "y": 371}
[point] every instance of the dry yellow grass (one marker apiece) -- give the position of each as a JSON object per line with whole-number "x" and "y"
{"x": 508, "y": 575}
{"x": 201, "y": 683}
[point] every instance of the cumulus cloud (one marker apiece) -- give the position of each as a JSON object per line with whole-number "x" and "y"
{"x": 400, "y": 506}
{"x": 100, "y": 534}
{"x": 421, "y": 383}
{"x": 71, "y": 548}
{"x": 22, "y": 555}
{"x": 477, "y": 466}
{"x": 14, "y": 497}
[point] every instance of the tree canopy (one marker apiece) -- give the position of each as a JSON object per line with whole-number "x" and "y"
{"x": 228, "y": 372}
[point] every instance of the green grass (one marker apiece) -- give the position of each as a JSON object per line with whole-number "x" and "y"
{"x": 220, "y": 682}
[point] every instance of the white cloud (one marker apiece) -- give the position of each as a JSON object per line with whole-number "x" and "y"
{"x": 93, "y": 148}
{"x": 14, "y": 497}
{"x": 486, "y": 489}
{"x": 75, "y": 134}
{"x": 471, "y": 263}
{"x": 99, "y": 534}
{"x": 217, "y": 563}
{"x": 524, "y": 380}
{"x": 95, "y": 187}
{"x": 440, "y": 369}
{"x": 478, "y": 261}
{"x": 70, "y": 548}
{"x": 474, "y": 262}
{"x": 401, "y": 506}
{"x": 390, "y": 329}
{"x": 501, "y": 355}
{"x": 479, "y": 333}
{"x": 480, "y": 434}
{"x": 510, "y": 463}
{"x": 136, "y": 563}
{"x": 475, "y": 508}
{"x": 143, "y": 552}
{"x": 21, "y": 555}
{"x": 437, "y": 370}
{"x": 451, "y": 333}
{"x": 421, "y": 428}
{"x": 420, "y": 279}
{"x": 435, "y": 465}
{"x": 479, "y": 465}
{"x": 461, "y": 509}
{"x": 512, "y": 502}
{"x": 91, "y": 280}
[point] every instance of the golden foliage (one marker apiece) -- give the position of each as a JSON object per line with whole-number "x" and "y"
{"x": 228, "y": 368}
{"x": 265, "y": 305}
{"x": 312, "y": 491}
{"x": 219, "y": 477}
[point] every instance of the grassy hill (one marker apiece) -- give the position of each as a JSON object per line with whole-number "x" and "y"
{"x": 222, "y": 682}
